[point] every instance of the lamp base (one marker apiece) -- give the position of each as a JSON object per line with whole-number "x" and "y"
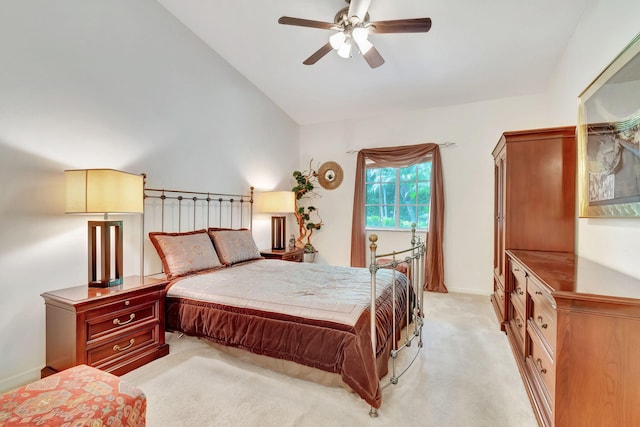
{"x": 110, "y": 267}
{"x": 107, "y": 284}
{"x": 278, "y": 228}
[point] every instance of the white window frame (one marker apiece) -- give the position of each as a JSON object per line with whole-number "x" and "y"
{"x": 397, "y": 206}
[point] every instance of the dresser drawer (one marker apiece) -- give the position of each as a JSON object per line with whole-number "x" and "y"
{"x": 114, "y": 322}
{"x": 543, "y": 316}
{"x": 542, "y": 367}
{"x": 518, "y": 326}
{"x": 104, "y": 355}
{"x": 519, "y": 291}
{"x": 499, "y": 297}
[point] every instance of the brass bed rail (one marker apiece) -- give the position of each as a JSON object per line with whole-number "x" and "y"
{"x": 414, "y": 259}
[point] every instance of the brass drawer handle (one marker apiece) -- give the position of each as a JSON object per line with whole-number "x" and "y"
{"x": 540, "y": 367}
{"x": 127, "y": 302}
{"x": 117, "y": 321}
{"x": 118, "y": 348}
{"x": 518, "y": 322}
{"x": 520, "y": 291}
{"x": 542, "y": 324}
{"x": 538, "y": 293}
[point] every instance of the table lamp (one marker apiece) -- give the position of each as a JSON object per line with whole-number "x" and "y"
{"x": 280, "y": 202}
{"x": 104, "y": 191}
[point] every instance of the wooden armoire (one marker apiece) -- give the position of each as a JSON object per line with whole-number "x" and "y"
{"x": 534, "y": 199}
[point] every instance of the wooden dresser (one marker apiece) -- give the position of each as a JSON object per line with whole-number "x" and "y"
{"x": 574, "y": 327}
{"x": 534, "y": 201}
{"x": 115, "y": 329}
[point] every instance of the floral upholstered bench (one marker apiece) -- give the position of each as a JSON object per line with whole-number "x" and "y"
{"x": 78, "y": 396}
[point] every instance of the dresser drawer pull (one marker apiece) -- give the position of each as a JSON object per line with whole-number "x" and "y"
{"x": 127, "y": 302}
{"x": 117, "y": 321}
{"x": 520, "y": 291}
{"x": 542, "y": 324}
{"x": 131, "y": 341}
{"x": 540, "y": 367}
{"x": 516, "y": 269}
{"x": 538, "y": 293}
{"x": 518, "y": 323}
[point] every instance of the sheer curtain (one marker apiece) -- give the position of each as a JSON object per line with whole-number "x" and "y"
{"x": 396, "y": 157}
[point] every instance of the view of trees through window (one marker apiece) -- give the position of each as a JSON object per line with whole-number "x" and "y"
{"x": 398, "y": 197}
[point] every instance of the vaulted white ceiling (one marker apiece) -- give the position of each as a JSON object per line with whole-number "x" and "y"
{"x": 476, "y": 50}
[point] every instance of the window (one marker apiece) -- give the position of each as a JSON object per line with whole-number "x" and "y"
{"x": 398, "y": 197}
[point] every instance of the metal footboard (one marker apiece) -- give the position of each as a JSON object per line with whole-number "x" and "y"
{"x": 414, "y": 258}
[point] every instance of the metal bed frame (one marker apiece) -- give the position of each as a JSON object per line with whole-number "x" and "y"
{"x": 414, "y": 259}
{"x": 190, "y": 210}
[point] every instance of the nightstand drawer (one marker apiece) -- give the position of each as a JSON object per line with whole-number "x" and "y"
{"x": 122, "y": 303}
{"x": 114, "y": 322}
{"x": 123, "y": 347}
{"x": 293, "y": 256}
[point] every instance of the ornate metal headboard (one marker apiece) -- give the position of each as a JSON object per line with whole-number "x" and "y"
{"x": 179, "y": 211}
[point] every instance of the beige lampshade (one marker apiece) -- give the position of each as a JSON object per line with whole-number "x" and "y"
{"x": 276, "y": 202}
{"x": 104, "y": 191}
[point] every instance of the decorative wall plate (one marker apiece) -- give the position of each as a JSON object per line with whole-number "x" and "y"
{"x": 330, "y": 175}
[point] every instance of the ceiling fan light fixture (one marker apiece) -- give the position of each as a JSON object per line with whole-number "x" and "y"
{"x": 360, "y": 34}
{"x": 345, "y": 50}
{"x": 364, "y": 45}
{"x": 337, "y": 40}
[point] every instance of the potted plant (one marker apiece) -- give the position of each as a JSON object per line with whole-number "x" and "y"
{"x": 306, "y": 215}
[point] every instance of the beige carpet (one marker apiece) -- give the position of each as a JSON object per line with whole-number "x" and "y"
{"x": 465, "y": 375}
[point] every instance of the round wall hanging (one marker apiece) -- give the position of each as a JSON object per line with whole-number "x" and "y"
{"x": 330, "y": 175}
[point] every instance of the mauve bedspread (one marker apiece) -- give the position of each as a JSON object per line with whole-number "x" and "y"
{"x": 312, "y": 314}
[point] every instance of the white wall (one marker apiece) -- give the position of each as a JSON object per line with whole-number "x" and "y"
{"x": 468, "y": 178}
{"x": 117, "y": 84}
{"x": 606, "y": 27}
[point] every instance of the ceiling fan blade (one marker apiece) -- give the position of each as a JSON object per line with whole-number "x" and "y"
{"x": 287, "y": 20}
{"x": 359, "y": 8}
{"x": 318, "y": 54}
{"x": 373, "y": 57}
{"x": 415, "y": 25}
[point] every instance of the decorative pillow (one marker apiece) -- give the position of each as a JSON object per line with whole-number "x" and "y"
{"x": 234, "y": 246}
{"x": 185, "y": 253}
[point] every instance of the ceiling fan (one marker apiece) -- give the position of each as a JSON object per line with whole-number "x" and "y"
{"x": 352, "y": 26}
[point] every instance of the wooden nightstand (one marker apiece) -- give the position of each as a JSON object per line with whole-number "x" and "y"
{"x": 115, "y": 329}
{"x": 295, "y": 255}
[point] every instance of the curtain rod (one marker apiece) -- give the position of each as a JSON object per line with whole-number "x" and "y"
{"x": 442, "y": 144}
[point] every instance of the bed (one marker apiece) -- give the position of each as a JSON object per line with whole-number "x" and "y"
{"x": 340, "y": 321}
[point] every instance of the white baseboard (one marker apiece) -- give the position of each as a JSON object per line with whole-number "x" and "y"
{"x": 19, "y": 380}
